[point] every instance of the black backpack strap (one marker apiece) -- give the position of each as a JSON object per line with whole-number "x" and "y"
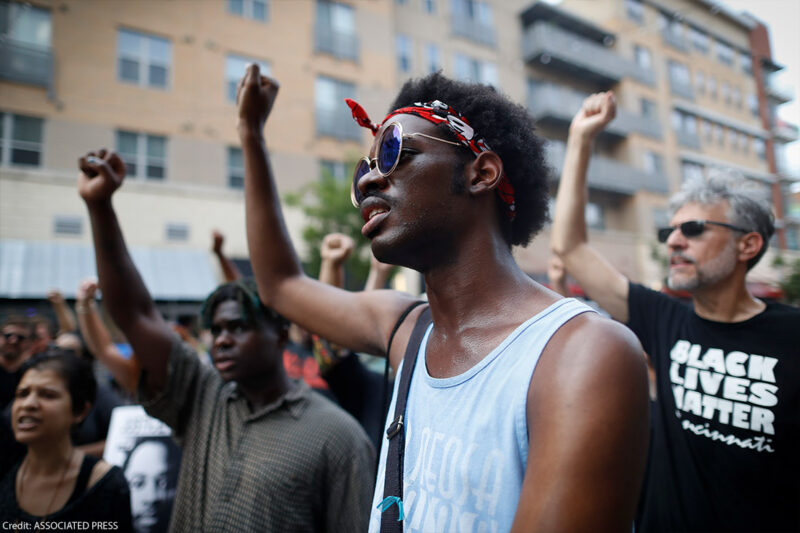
{"x": 392, "y": 515}
{"x": 386, "y": 393}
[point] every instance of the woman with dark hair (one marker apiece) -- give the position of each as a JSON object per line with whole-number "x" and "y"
{"x": 55, "y": 482}
{"x": 151, "y": 469}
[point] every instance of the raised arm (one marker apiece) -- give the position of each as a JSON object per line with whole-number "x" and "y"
{"x": 379, "y": 274}
{"x": 229, "y": 270}
{"x": 601, "y": 281}
{"x": 360, "y": 321}
{"x": 64, "y": 315}
{"x": 587, "y": 414}
{"x": 126, "y": 297}
{"x": 98, "y": 339}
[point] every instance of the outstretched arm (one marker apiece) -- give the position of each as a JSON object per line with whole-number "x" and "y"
{"x": 587, "y": 415}
{"x": 126, "y": 297}
{"x": 601, "y": 281}
{"x": 64, "y": 315}
{"x": 360, "y": 321}
{"x": 98, "y": 339}
{"x": 229, "y": 270}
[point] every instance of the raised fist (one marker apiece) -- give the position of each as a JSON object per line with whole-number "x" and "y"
{"x": 596, "y": 112}
{"x": 255, "y": 96}
{"x": 101, "y": 174}
{"x": 336, "y": 247}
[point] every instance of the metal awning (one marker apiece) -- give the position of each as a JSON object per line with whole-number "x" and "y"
{"x": 28, "y": 269}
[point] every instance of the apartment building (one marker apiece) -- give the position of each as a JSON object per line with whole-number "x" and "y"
{"x": 156, "y": 80}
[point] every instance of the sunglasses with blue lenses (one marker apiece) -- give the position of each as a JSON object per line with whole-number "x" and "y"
{"x": 694, "y": 228}
{"x": 390, "y": 146}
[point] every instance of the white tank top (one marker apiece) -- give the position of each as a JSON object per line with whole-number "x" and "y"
{"x": 467, "y": 436}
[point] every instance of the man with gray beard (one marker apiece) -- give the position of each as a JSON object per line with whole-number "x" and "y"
{"x": 726, "y": 420}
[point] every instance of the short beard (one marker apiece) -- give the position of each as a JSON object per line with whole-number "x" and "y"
{"x": 711, "y": 273}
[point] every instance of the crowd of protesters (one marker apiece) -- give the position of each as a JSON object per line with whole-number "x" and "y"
{"x": 512, "y": 408}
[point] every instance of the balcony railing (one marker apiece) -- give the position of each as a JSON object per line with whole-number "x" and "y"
{"x": 555, "y": 47}
{"x": 337, "y": 43}
{"x": 778, "y": 92}
{"x": 473, "y": 29}
{"x": 548, "y": 102}
{"x": 784, "y": 132}
{"x": 681, "y": 89}
{"x": 688, "y": 139}
{"x": 607, "y": 174}
{"x": 338, "y": 124}
{"x": 25, "y": 64}
{"x": 676, "y": 41}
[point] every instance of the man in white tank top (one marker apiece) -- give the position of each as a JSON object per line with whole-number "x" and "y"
{"x": 454, "y": 178}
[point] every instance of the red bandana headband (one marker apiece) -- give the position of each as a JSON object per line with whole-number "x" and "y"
{"x": 441, "y": 113}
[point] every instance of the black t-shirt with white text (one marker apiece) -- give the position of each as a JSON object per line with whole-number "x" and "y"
{"x": 725, "y": 440}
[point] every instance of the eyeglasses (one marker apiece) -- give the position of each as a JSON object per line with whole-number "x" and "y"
{"x": 694, "y": 228}
{"x": 20, "y": 336}
{"x": 390, "y": 146}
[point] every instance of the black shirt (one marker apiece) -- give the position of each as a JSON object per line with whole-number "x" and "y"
{"x": 725, "y": 448}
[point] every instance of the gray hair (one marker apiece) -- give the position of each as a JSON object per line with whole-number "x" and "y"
{"x": 750, "y": 207}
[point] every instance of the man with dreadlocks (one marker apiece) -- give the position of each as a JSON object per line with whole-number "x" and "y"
{"x": 260, "y": 452}
{"x": 525, "y": 411}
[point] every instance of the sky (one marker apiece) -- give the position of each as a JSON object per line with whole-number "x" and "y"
{"x": 782, "y": 18}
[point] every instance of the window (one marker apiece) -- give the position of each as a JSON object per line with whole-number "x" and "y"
{"x": 649, "y": 108}
{"x": 744, "y": 143}
{"x": 635, "y": 10}
{"x": 643, "y": 57}
{"x": 653, "y": 163}
{"x": 429, "y": 6}
{"x": 143, "y": 59}
{"x": 433, "y": 58}
{"x": 471, "y": 69}
{"x": 691, "y": 171}
{"x": 20, "y": 140}
{"x": 235, "y": 67}
{"x": 334, "y": 169}
{"x": 593, "y": 215}
{"x": 737, "y": 97}
{"x": 333, "y": 118}
{"x": 712, "y": 87}
{"x": 403, "y": 49}
{"x": 746, "y": 62}
{"x": 250, "y": 9}
{"x": 679, "y": 80}
{"x": 759, "y": 147}
{"x": 67, "y": 225}
{"x": 474, "y": 20}
{"x": 733, "y": 139}
{"x": 335, "y": 30}
{"x": 700, "y": 81}
{"x": 699, "y": 39}
{"x": 706, "y": 126}
{"x": 177, "y": 231}
{"x": 726, "y": 92}
{"x": 25, "y": 24}
{"x": 724, "y": 53}
{"x": 719, "y": 134}
{"x": 235, "y": 168}
{"x": 145, "y": 155}
{"x": 752, "y": 103}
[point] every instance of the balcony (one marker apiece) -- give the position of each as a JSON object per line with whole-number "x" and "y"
{"x": 677, "y": 42}
{"x": 683, "y": 89}
{"x": 554, "y": 47}
{"x": 778, "y": 92}
{"x": 553, "y": 104}
{"x": 337, "y": 123}
{"x": 784, "y": 132}
{"x": 339, "y": 44}
{"x": 473, "y": 29}
{"x": 688, "y": 139}
{"x": 609, "y": 175}
{"x": 25, "y": 64}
